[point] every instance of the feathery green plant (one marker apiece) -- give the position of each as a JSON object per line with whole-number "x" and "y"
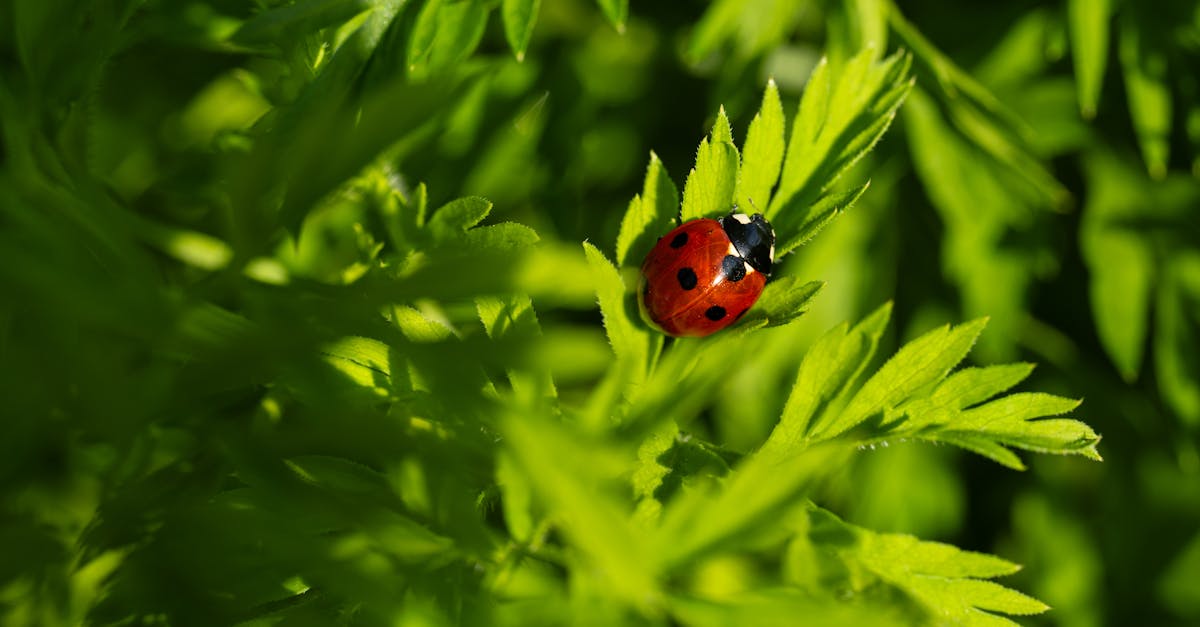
{"x": 272, "y": 356}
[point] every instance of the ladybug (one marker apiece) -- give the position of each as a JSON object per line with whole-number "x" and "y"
{"x": 703, "y": 275}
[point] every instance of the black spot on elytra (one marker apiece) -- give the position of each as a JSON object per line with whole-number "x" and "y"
{"x": 733, "y": 268}
{"x": 679, "y": 241}
{"x": 687, "y": 278}
{"x": 714, "y": 313}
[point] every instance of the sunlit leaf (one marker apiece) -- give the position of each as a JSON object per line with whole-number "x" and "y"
{"x": 649, "y": 216}
{"x": 709, "y": 189}
{"x": 1088, "y": 21}
{"x": 519, "y": 18}
{"x": 946, "y": 582}
{"x": 762, "y": 154}
{"x": 633, "y": 342}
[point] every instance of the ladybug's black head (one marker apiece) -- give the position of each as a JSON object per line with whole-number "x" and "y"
{"x": 753, "y": 238}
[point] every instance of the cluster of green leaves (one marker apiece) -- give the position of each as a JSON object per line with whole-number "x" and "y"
{"x": 257, "y": 372}
{"x": 1056, "y": 144}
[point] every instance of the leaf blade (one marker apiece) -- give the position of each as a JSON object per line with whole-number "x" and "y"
{"x": 762, "y": 154}
{"x": 710, "y": 185}
{"x": 519, "y": 18}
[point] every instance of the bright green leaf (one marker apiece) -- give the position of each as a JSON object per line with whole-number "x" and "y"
{"x": 519, "y": 17}
{"x": 709, "y": 189}
{"x": 830, "y": 366}
{"x": 633, "y": 342}
{"x": 974, "y": 385}
{"x": 819, "y": 215}
{"x": 923, "y": 361}
{"x": 947, "y": 582}
{"x": 721, "y": 131}
{"x": 842, "y": 114}
{"x": 762, "y": 154}
{"x": 457, "y": 216}
{"x": 1088, "y": 22}
{"x": 783, "y": 301}
{"x": 649, "y": 216}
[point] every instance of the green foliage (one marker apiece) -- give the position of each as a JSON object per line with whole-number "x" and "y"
{"x": 296, "y": 328}
{"x": 947, "y": 582}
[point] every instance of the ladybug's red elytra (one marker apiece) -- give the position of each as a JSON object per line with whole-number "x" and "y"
{"x": 703, "y": 275}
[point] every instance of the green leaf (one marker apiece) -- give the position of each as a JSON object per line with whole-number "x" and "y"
{"x": 780, "y": 608}
{"x": 287, "y": 21}
{"x": 946, "y": 582}
{"x": 572, "y": 477}
{"x": 364, "y": 360}
{"x": 617, "y": 11}
{"x": 648, "y": 475}
{"x": 1144, "y": 64}
{"x": 980, "y": 116}
{"x": 417, "y": 326}
{"x": 455, "y": 217}
{"x": 840, "y": 118}
{"x": 649, "y": 216}
{"x": 915, "y": 397}
{"x": 518, "y": 498}
{"x": 445, "y": 33}
{"x": 506, "y": 236}
{"x": 783, "y": 301}
{"x": 1120, "y": 261}
{"x": 923, "y": 361}
{"x": 519, "y": 16}
{"x": 1176, "y": 366}
{"x": 633, "y": 343}
{"x": 975, "y": 385}
{"x": 513, "y": 317}
{"x": 420, "y": 40}
{"x": 751, "y": 499}
{"x": 982, "y": 445}
{"x": 819, "y": 215}
{"x": 1088, "y": 22}
{"x": 710, "y": 185}
{"x": 983, "y": 209}
{"x": 1019, "y": 420}
{"x": 721, "y": 131}
{"x": 752, "y": 28}
{"x": 719, "y": 22}
{"x": 830, "y": 366}
{"x": 762, "y": 154}
{"x": 334, "y": 144}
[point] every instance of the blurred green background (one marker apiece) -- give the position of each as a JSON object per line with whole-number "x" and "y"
{"x": 191, "y": 191}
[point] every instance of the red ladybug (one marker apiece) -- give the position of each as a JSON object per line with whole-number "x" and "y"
{"x": 704, "y": 274}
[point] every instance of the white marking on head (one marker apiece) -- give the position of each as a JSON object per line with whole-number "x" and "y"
{"x": 741, "y": 217}
{"x": 749, "y": 268}
{"x": 732, "y": 250}
{"x": 772, "y": 253}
